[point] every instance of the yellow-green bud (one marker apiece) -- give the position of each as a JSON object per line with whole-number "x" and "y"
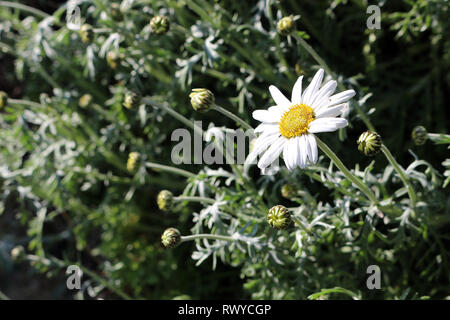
{"x": 113, "y": 59}
{"x": 419, "y": 135}
{"x": 87, "y": 33}
{"x": 201, "y": 99}
{"x": 133, "y": 158}
{"x": 165, "y": 200}
{"x": 288, "y": 191}
{"x": 85, "y": 100}
{"x": 279, "y": 217}
{"x": 286, "y": 25}
{"x": 369, "y": 143}
{"x": 171, "y": 238}
{"x": 131, "y": 100}
{"x": 116, "y": 14}
{"x": 160, "y": 25}
{"x": 18, "y": 253}
{"x": 3, "y": 99}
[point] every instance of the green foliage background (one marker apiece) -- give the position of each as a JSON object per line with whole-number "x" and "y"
{"x": 66, "y": 193}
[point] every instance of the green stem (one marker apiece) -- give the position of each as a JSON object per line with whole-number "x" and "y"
{"x": 401, "y": 173}
{"x": 206, "y": 236}
{"x": 23, "y": 7}
{"x": 350, "y": 176}
{"x": 181, "y": 172}
{"x": 232, "y": 116}
{"x": 4, "y": 296}
{"x": 194, "y": 199}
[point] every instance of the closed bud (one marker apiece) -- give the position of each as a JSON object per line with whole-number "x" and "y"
{"x": 286, "y": 26}
{"x": 113, "y": 59}
{"x": 369, "y": 143}
{"x": 131, "y": 100}
{"x": 3, "y": 99}
{"x": 133, "y": 158}
{"x": 116, "y": 14}
{"x": 87, "y": 33}
{"x": 279, "y": 217}
{"x": 201, "y": 99}
{"x": 288, "y": 191}
{"x": 159, "y": 25}
{"x": 165, "y": 200}
{"x": 171, "y": 238}
{"x": 18, "y": 253}
{"x": 85, "y": 100}
{"x": 419, "y": 135}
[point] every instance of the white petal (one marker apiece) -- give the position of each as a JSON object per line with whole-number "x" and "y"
{"x": 261, "y": 144}
{"x": 313, "y": 87}
{"x": 292, "y": 153}
{"x": 331, "y": 112}
{"x": 286, "y": 155}
{"x": 341, "y": 97}
{"x": 267, "y": 128}
{"x": 267, "y": 116}
{"x": 313, "y": 152}
{"x": 296, "y": 97}
{"x": 272, "y": 153}
{"x": 303, "y": 144}
{"x": 327, "y": 125}
{"x": 278, "y": 97}
{"x": 324, "y": 93}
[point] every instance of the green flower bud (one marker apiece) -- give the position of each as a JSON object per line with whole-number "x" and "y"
{"x": 87, "y": 33}
{"x": 419, "y": 135}
{"x": 131, "y": 100}
{"x": 113, "y": 59}
{"x": 286, "y": 26}
{"x": 18, "y": 253}
{"x": 116, "y": 14}
{"x": 160, "y": 25}
{"x": 165, "y": 200}
{"x": 3, "y": 99}
{"x": 369, "y": 143}
{"x": 133, "y": 158}
{"x": 85, "y": 100}
{"x": 279, "y": 217}
{"x": 201, "y": 99}
{"x": 288, "y": 191}
{"x": 171, "y": 238}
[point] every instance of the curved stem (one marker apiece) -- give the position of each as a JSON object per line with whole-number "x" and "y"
{"x": 401, "y": 173}
{"x": 232, "y": 116}
{"x": 350, "y": 176}
{"x": 181, "y": 172}
{"x": 194, "y": 199}
{"x": 206, "y": 236}
{"x": 23, "y": 7}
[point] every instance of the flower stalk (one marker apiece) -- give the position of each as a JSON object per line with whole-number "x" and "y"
{"x": 401, "y": 173}
{"x": 350, "y": 176}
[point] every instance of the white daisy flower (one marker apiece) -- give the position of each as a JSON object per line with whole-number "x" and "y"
{"x": 290, "y": 125}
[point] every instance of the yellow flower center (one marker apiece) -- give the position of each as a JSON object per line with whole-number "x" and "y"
{"x": 295, "y": 121}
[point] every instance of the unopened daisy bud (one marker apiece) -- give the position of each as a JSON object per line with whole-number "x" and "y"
{"x": 279, "y": 217}
{"x": 165, "y": 200}
{"x": 116, "y": 14}
{"x": 85, "y": 100}
{"x": 160, "y": 25}
{"x": 419, "y": 135}
{"x": 133, "y": 157}
{"x": 201, "y": 99}
{"x": 369, "y": 143}
{"x": 18, "y": 253}
{"x": 131, "y": 100}
{"x": 87, "y": 33}
{"x": 171, "y": 238}
{"x": 288, "y": 191}
{"x": 286, "y": 25}
{"x": 113, "y": 59}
